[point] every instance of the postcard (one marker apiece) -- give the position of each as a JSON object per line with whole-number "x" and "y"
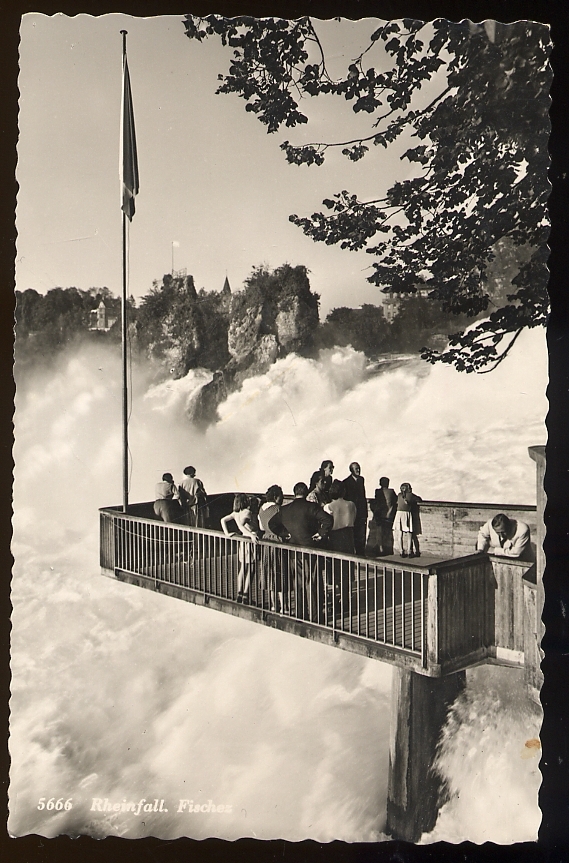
{"x": 281, "y": 369}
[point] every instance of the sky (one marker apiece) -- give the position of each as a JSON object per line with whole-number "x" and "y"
{"x": 211, "y": 178}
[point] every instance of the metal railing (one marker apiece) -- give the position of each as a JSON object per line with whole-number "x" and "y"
{"x": 363, "y": 598}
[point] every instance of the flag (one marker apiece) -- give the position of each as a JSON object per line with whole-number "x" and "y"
{"x": 176, "y": 244}
{"x": 129, "y": 161}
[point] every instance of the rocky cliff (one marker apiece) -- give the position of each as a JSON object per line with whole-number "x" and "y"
{"x": 274, "y": 315}
{"x": 234, "y": 335}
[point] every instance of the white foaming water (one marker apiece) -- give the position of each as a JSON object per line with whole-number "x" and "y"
{"x": 489, "y": 756}
{"x": 454, "y": 436}
{"x": 124, "y": 694}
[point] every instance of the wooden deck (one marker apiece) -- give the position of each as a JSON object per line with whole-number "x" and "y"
{"x": 432, "y": 613}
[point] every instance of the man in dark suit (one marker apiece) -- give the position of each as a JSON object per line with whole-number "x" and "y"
{"x": 384, "y": 507}
{"x": 305, "y": 524}
{"x": 355, "y": 490}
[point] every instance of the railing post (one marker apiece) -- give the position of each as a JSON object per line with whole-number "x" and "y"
{"x": 432, "y": 621}
{"x": 107, "y": 551}
{"x": 326, "y": 587}
{"x": 536, "y": 628}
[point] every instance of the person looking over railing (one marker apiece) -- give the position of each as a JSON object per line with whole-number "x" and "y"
{"x": 383, "y": 507}
{"x": 355, "y": 491}
{"x": 407, "y": 520}
{"x": 274, "y": 571}
{"x": 505, "y": 536}
{"x": 245, "y": 523}
{"x": 167, "y": 503}
{"x": 193, "y": 498}
{"x": 305, "y": 524}
{"x": 344, "y": 512}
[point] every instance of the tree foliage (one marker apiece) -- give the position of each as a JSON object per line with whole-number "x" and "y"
{"x": 481, "y": 147}
{"x": 365, "y": 329}
{"x": 279, "y": 287}
{"x": 47, "y": 323}
{"x": 418, "y": 321}
{"x": 174, "y": 320}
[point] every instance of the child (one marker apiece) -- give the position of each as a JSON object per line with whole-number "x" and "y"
{"x": 407, "y": 520}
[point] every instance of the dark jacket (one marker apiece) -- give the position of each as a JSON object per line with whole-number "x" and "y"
{"x": 384, "y": 506}
{"x": 355, "y": 490}
{"x": 325, "y": 495}
{"x": 301, "y": 519}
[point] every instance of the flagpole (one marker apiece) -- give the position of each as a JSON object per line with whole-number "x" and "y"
{"x": 124, "y": 332}
{"x": 124, "y": 371}
{"x": 129, "y": 190}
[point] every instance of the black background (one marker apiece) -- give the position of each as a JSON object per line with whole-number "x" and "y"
{"x": 553, "y": 844}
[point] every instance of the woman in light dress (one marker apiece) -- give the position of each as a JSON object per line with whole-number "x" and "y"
{"x": 248, "y": 527}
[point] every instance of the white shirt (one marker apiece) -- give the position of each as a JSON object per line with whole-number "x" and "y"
{"x": 517, "y": 546}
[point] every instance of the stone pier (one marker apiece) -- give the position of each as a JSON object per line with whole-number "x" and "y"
{"x": 419, "y": 709}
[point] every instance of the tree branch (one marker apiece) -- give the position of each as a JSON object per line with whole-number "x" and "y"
{"x": 502, "y": 356}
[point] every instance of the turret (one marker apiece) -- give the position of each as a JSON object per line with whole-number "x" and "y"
{"x": 101, "y": 316}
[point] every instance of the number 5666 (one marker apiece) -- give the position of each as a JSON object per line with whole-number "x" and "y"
{"x": 57, "y": 805}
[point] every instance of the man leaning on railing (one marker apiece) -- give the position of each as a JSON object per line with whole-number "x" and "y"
{"x": 505, "y": 536}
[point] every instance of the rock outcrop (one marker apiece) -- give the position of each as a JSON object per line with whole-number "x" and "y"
{"x": 276, "y": 314}
{"x": 296, "y": 325}
{"x": 184, "y": 329}
{"x": 234, "y": 335}
{"x": 204, "y": 407}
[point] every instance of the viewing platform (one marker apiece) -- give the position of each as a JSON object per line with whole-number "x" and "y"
{"x": 430, "y": 617}
{"x": 436, "y": 614}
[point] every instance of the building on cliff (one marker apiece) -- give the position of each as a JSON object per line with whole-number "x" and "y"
{"x": 100, "y": 319}
{"x": 392, "y": 301}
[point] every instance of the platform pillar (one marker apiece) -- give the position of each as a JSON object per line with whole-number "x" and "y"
{"x": 419, "y": 708}
{"x": 534, "y": 595}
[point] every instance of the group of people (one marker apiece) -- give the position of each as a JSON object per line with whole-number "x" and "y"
{"x": 185, "y": 503}
{"x": 347, "y": 501}
{"x": 326, "y": 514}
{"x": 342, "y": 528}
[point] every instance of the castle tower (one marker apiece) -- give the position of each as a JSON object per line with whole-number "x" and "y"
{"x": 226, "y": 296}
{"x": 101, "y": 316}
